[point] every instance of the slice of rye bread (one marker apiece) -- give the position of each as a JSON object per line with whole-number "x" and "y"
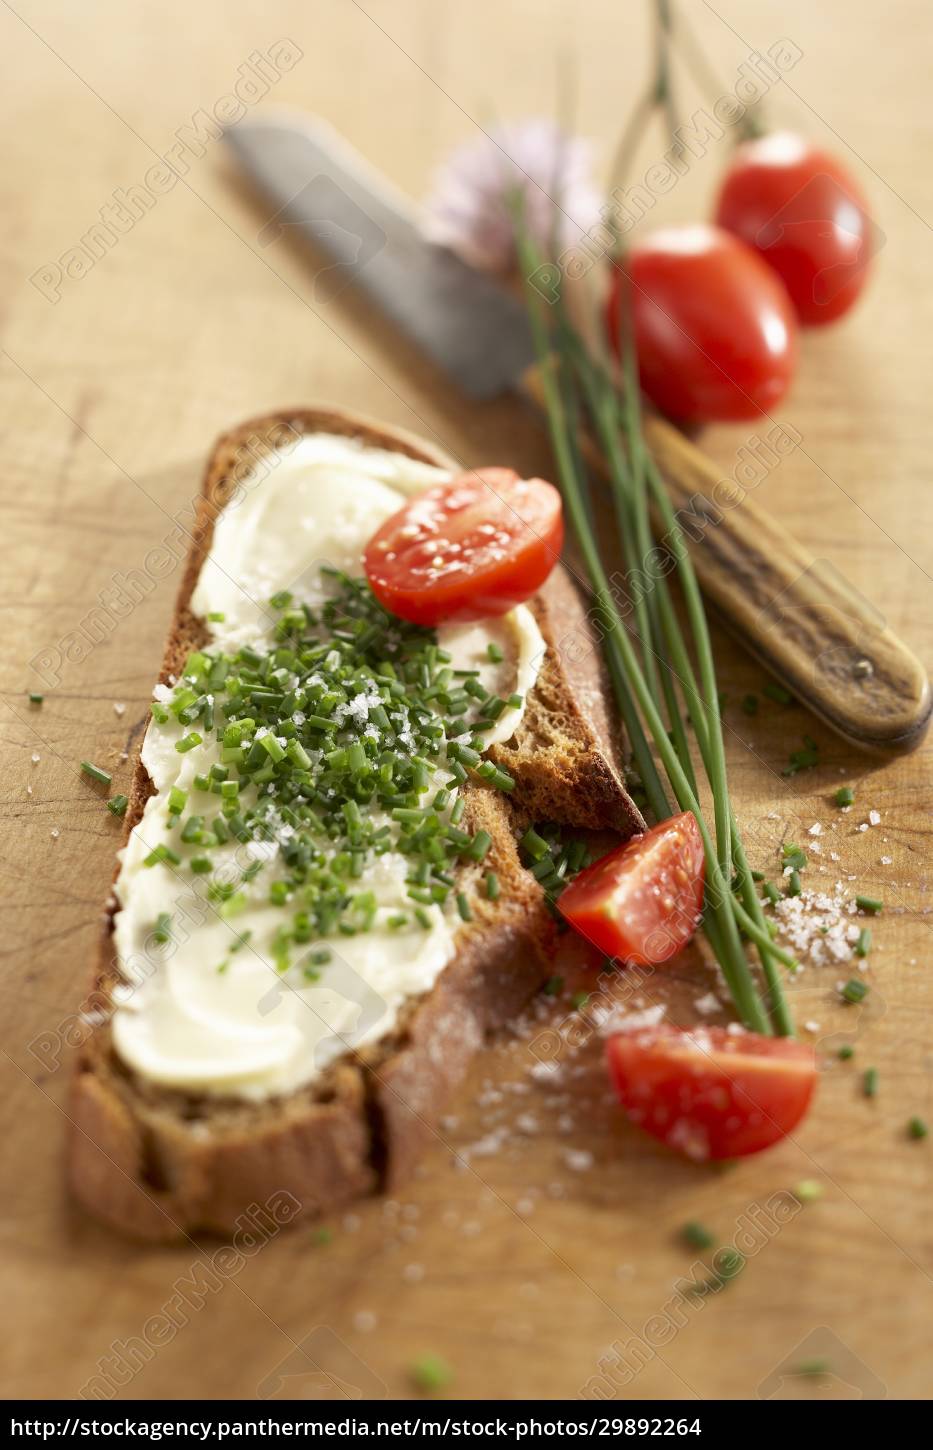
{"x": 160, "y": 1163}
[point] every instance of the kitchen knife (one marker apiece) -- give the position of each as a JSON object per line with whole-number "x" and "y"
{"x": 798, "y": 615}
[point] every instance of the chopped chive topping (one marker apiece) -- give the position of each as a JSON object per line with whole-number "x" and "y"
{"x": 553, "y": 986}
{"x": 162, "y": 853}
{"x": 162, "y": 931}
{"x": 750, "y": 704}
{"x": 463, "y": 907}
{"x": 863, "y": 945}
{"x": 117, "y": 805}
{"x": 177, "y": 800}
{"x": 772, "y": 892}
{"x": 696, "y": 1236}
{"x": 793, "y": 884}
{"x": 846, "y": 1052}
{"x": 579, "y": 1000}
{"x": 917, "y": 1128}
{"x": 870, "y": 1082}
{"x": 535, "y": 846}
{"x": 793, "y": 856}
{"x": 844, "y": 796}
{"x": 36, "y": 699}
{"x": 102, "y": 777}
{"x": 494, "y": 652}
{"x": 216, "y": 616}
{"x": 869, "y": 904}
{"x": 854, "y": 990}
{"x": 778, "y": 693}
{"x": 346, "y": 737}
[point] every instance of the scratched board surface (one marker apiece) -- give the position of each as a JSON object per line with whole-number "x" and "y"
{"x": 538, "y": 1250}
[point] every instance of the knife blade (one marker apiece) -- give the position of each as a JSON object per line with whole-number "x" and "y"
{"x": 325, "y": 192}
{"x": 798, "y": 615}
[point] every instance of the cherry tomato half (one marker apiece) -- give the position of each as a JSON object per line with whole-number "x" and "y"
{"x": 643, "y": 901}
{"x": 806, "y": 216}
{"x": 467, "y": 549}
{"x": 709, "y": 1093}
{"x": 714, "y": 327}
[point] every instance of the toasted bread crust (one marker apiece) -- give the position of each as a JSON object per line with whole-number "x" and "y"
{"x": 159, "y": 1163}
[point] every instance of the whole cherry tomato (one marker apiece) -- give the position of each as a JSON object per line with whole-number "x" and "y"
{"x": 805, "y": 214}
{"x": 714, "y": 327}
{"x": 467, "y": 549}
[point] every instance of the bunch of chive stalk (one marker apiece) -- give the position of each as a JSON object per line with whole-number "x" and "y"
{"x": 650, "y": 662}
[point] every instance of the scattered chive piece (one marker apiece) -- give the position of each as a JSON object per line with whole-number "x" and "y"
{"x": 772, "y": 892}
{"x": 869, "y": 904}
{"x": 430, "y": 1373}
{"x": 36, "y": 699}
{"x": 808, "y": 1190}
{"x": 854, "y": 990}
{"x": 322, "y": 1236}
{"x": 117, "y": 805}
{"x": 492, "y": 886}
{"x": 778, "y": 693}
{"x": 917, "y": 1128}
{"x": 811, "y": 1369}
{"x": 463, "y": 907}
{"x": 578, "y": 1000}
{"x": 696, "y": 1236}
{"x": 793, "y": 884}
{"x": 846, "y": 1052}
{"x": 188, "y": 742}
{"x": 494, "y": 652}
{"x": 844, "y": 796}
{"x": 750, "y": 704}
{"x": 863, "y": 945}
{"x": 200, "y": 865}
{"x": 159, "y": 712}
{"x": 793, "y": 856}
{"x": 731, "y": 1263}
{"x": 870, "y": 1082}
{"x": 216, "y": 616}
{"x": 553, "y": 986}
{"x": 94, "y": 771}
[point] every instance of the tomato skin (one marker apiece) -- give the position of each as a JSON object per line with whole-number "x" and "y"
{"x": 643, "y": 901}
{"x": 467, "y": 549}
{"x": 715, "y": 330}
{"x": 806, "y": 216}
{"x": 709, "y": 1093}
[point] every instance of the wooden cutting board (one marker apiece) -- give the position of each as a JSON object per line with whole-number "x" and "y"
{"x": 539, "y": 1246}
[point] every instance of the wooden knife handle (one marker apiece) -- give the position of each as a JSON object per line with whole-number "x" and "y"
{"x": 798, "y": 615}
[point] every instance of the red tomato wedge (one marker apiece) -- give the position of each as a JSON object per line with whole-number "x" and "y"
{"x": 643, "y": 901}
{"x": 710, "y": 1093}
{"x": 467, "y": 549}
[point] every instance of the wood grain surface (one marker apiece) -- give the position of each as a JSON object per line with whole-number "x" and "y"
{"x": 539, "y": 1246}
